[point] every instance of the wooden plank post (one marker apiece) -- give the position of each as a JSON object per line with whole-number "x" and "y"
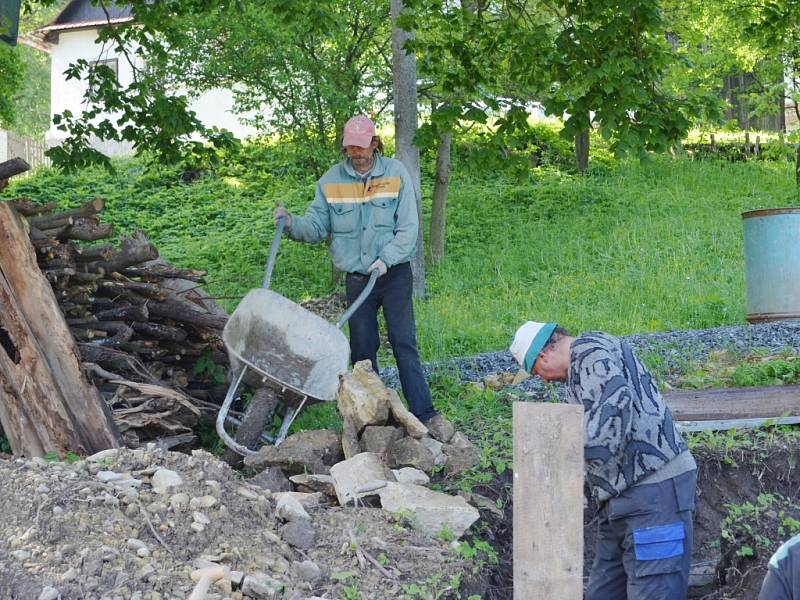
{"x": 548, "y": 501}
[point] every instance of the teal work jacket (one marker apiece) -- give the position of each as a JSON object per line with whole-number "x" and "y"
{"x": 364, "y": 221}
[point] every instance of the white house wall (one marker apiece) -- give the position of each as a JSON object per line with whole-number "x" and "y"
{"x": 213, "y": 108}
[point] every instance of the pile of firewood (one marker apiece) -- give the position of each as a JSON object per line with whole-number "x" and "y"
{"x": 142, "y": 326}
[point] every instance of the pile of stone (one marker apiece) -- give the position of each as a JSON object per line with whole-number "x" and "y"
{"x": 384, "y": 457}
{"x": 149, "y": 524}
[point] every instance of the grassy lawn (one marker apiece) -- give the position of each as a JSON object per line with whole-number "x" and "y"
{"x": 632, "y": 247}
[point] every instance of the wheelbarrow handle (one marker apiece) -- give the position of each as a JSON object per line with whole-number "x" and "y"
{"x": 373, "y": 277}
{"x": 273, "y": 252}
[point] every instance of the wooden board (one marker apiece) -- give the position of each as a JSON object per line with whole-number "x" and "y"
{"x": 46, "y": 403}
{"x": 548, "y": 501}
{"x": 726, "y": 404}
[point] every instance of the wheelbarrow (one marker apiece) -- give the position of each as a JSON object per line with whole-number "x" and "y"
{"x": 273, "y": 342}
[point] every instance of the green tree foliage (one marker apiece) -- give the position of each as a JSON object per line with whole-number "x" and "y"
{"x": 600, "y": 62}
{"x": 10, "y": 82}
{"x": 300, "y": 68}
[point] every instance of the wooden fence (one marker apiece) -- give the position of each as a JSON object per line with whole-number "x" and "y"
{"x": 13, "y": 146}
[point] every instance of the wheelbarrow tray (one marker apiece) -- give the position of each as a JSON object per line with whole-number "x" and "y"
{"x": 286, "y": 346}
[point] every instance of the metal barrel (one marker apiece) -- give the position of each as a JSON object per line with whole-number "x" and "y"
{"x": 772, "y": 263}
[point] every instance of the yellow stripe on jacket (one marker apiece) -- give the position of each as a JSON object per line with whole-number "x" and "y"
{"x": 342, "y": 193}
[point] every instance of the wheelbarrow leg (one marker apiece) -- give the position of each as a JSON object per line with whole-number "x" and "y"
{"x": 258, "y": 415}
{"x": 223, "y": 414}
{"x": 288, "y": 419}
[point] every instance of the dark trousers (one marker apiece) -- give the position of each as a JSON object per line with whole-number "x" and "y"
{"x": 392, "y": 292}
{"x": 644, "y": 542}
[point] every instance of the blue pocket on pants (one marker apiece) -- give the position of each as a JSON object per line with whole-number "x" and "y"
{"x": 662, "y": 541}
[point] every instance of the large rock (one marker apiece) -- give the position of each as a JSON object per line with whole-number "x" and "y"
{"x": 359, "y": 476}
{"x": 411, "y": 475}
{"x": 304, "y": 452}
{"x": 408, "y": 452}
{"x": 299, "y": 533}
{"x": 272, "y": 479}
{"x": 404, "y": 417}
{"x": 350, "y": 443}
{"x": 433, "y": 511}
{"x": 379, "y": 440}
{"x": 314, "y": 483}
{"x": 460, "y": 459}
{"x": 362, "y": 397}
{"x": 164, "y": 480}
{"x": 435, "y": 446}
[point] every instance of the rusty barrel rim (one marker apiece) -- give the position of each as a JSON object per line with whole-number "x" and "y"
{"x": 766, "y": 212}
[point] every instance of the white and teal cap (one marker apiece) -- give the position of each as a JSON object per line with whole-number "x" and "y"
{"x": 529, "y": 341}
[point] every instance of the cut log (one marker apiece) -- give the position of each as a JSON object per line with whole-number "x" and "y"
{"x": 88, "y": 232}
{"x": 46, "y": 403}
{"x": 133, "y": 250}
{"x": 160, "y": 331}
{"x": 12, "y": 167}
{"x": 125, "y": 312}
{"x": 95, "y": 253}
{"x": 154, "y": 271}
{"x": 28, "y": 207}
{"x": 184, "y": 312}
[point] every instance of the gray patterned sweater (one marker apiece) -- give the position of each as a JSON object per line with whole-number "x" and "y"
{"x": 629, "y": 434}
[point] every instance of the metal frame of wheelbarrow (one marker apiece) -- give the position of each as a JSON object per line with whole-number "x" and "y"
{"x": 274, "y": 342}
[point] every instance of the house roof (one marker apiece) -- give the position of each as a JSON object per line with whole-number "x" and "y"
{"x": 81, "y": 14}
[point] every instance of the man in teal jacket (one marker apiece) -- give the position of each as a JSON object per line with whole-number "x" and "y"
{"x": 366, "y": 206}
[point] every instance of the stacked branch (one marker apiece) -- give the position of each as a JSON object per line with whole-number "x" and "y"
{"x": 141, "y": 325}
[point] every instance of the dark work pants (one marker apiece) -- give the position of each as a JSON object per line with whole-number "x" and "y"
{"x": 644, "y": 542}
{"x": 392, "y": 292}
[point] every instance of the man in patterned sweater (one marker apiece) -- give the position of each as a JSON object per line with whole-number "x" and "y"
{"x": 638, "y": 468}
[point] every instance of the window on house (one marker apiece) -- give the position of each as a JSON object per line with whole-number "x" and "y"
{"x": 111, "y": 63}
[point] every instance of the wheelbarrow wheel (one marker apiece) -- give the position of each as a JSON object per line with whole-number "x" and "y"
{"x": 255, "y": 421}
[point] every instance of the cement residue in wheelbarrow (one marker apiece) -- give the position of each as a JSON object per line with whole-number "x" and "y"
{"x": 296, "y": 348}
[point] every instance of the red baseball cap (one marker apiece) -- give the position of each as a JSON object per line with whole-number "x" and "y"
{"x": 358, "y": 131}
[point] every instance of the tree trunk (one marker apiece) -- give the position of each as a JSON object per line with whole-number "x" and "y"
{"x": 797, "y": 167}
{"x": 582, "y": 151}
{"x": 439, "y": 203}
{"x": 404, "y": 71}
{"x": 46, "y": 403}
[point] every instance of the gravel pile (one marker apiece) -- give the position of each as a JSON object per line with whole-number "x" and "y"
{"x": 674, "y": 347}
{"x": 135, "y": 524}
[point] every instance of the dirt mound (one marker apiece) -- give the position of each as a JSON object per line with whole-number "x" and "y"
{"x": 124, "y": 527}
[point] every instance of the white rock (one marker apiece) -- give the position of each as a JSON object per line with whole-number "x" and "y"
{"x": 356, "y": 472}
{"x": 290, "y": 509}
{"x": 135, "y": 544}
{"x": 411, "y": 475}
{"x": 21, "y": 554}
{"x": 179, "y": 501}
{"x": 143, "y": 553}
{"x": 108, "y": 476}
{"x": 70, "y": 575}
{"x": 261, "y": 586}
{"x": 247, "y": 493}
{"x": 103, "y": 455}
{"x": 433, "y": 511}
{"x": 42, "y": 489}
{"x": 198, "y": 527}
{"x": 49, "y": 593}
{"x": 202, "y": 502}
{"x": 200, "y": 518}
{"x": 164, "y": 480}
